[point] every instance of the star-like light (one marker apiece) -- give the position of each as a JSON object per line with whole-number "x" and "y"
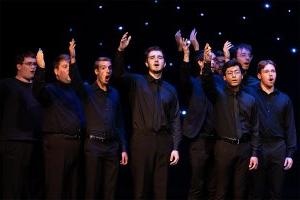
{"x": 293, "y": 50}
{"x": 120, "y": 28}
{"x": 267, "y": 5}
{"x": 183, "y": 112}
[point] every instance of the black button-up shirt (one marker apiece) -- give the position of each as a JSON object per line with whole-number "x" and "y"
{"x": 199, "y": 119}
{"x": 235, "y": 113}
{"x": 154, "y": 103}
{"x": 63, "y": 112}
{"x": 103, "y": 111}
{"x": 276, "y": 117}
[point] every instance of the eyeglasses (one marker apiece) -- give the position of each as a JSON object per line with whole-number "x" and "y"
{"x": 30, "y": 64}
{"x": 231, "y": 73}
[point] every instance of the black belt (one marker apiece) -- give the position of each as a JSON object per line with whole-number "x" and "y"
{"x": 64, "y": 135}
{"x": 233, "y": 140}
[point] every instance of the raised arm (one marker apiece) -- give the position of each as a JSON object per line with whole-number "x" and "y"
{"x": 209, "y": 85}
{"x": 118, "y": 63}
{"x": 39, "y": 83}
{"x": 193, "y": 39}
{"x": 227, "y": 46}
{"x": 77, "y": 82}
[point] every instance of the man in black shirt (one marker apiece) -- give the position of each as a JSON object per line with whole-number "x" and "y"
{"x": 20, "y": 136}
{"x": 277, "y": 132}
{"x": 62, "y": 128}
{"x": 236, "y": 124}
{"x": 197, "y": 127}
{"x": 105, "y": 133}
{"x": 155, "y": 123}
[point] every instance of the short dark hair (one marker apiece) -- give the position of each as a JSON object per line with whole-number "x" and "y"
{"x": 231, "y": 63}
{"x": 242, "y": 46}
{"x": 101, "y": 59}
{"x": 60, "y": 58}
{"x": 261, "y": 64}
{"x": 153, "y": 48}
{"x": 21, "y": 56}
{"x": 219, "y": 53}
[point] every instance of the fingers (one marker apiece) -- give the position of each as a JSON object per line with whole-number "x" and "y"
{"x": 288, "y": 163}
{"x": 124, "y": 159}
{"x": 174, "y": 158}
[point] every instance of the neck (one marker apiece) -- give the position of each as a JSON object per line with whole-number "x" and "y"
{"x": 103, "y": 86}
{"x": 266, "y": 89}
{"x": 23, "y": 79}
{"x": 155, "y": 75}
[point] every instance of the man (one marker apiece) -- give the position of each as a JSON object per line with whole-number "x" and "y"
{"x": 243, "y": 54}
{"x": 236, "y": 124}
{"x": 62, "y": 128}
{"x": 105, "y": 133}
{"x": 20, "y": 137}
{"x": 155, "y": 123}
{"x": 198, "y": 128}
{"x": 277, "y": 132}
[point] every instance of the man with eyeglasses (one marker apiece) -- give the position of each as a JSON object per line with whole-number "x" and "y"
{"x": 236, "y": 125}
{"x": 20, "y": 138}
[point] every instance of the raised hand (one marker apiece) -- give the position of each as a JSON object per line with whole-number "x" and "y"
{"x": 124, "y": 42}
{"x": 207, "y": 53}
{"x": 193, "y": 39}
{"x": 72, "y": 46}
{"x": 185, "y": 44}
{"x": 227, "y": 46}
{"x": 40, "y": 58}
{"x": 178, "y": 39}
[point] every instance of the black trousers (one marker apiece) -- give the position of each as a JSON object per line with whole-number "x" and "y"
{"x": 62, "y": 156}
{"x": 231, "y": 165}
{"x": 101, "y": 169}
{"x": 202, "y": 177}
{"x": 21, "y": 174}
{"x": 268, "y": 179}
{"x": 150, "y": 154}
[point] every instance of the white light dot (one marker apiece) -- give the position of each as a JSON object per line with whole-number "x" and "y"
{"x": 244, "y": 17}
{"x": 278, "y": 38}
{"x": 100, "y": 7}
{"x": 70, "y": 29}
{"x": 178, "y": 7}
{"x": 267, "y": 5}
{"x": 146, "y": 23}
{"x": 201, "y": 14}
{"x": 100, "y": 43}
{"x": 293, "y": 50}
{"x": 289, "y": 11}
{"x": 156, "y": 1}
{"x": 220, "y": 33}
{"x": 183, "y": 112}
{"x": 120, "y": 28}
{"x": 129, "y": 67}
{"x": 170, "y": 64}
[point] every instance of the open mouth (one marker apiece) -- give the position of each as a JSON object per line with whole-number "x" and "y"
{"x": 107, "y": 78}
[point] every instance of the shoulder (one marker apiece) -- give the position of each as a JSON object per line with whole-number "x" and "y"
{"x": 247, "y": 96}
{"x": 169, "y": 87}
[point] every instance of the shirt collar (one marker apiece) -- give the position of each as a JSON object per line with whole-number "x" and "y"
{"x": 153, "y": 80}
{"x": 95, "y": 86}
